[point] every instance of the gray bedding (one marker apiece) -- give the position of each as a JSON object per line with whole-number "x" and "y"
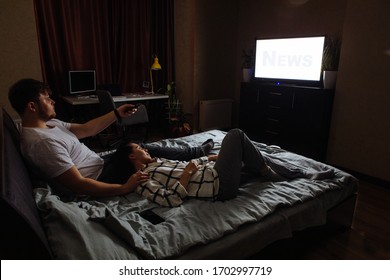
{"x": 115, "y": 227}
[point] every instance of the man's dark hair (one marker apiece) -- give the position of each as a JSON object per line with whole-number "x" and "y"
{"x": 25, "y": 91}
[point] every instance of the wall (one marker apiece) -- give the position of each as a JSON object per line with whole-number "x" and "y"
{"x": 205, "y": 34}
{"x": 184, "y": 52}
{"x": 19, "y": 46}
{"x": 360, "y": 131}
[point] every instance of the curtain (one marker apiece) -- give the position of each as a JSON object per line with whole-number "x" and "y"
{"x": 117, "y": 38}
{"x": 162, "y": 43}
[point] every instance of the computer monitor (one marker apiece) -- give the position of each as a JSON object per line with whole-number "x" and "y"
{"x": 82, "y": 81}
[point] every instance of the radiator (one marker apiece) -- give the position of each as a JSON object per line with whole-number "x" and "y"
{"x": 215, "y": 114}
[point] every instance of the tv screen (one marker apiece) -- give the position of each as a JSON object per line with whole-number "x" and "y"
{"x": 284, "y": 60}
{"x": 82, "y": 81}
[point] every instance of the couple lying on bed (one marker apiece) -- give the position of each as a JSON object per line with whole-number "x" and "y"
{"x": 52, "y": 149}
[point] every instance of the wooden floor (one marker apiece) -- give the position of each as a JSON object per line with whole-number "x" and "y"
{"x": 368, "y": 239}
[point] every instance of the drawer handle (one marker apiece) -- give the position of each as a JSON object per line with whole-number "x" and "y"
{"x": 272, "y": 120}
{"x": 274, "y": 107}
{"x": 271, "y": 132}
{"x": 275, "y": 93}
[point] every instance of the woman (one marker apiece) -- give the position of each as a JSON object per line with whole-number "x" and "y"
{"x": 215, "y": 177}
{"x": 116, "y": 169}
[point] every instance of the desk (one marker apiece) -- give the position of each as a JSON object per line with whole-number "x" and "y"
{"x": 81, "y": 109}
{"x": 130, "y": 97}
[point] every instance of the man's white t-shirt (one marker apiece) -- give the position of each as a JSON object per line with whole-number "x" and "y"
{"x": 54, "y": 150}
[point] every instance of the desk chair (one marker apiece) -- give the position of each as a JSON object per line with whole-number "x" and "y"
{"x": 123, "y": 130}
{"x": 114, "y": 89}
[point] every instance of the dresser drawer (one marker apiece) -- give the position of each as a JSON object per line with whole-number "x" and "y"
{"x": 274, "y": 124}
{"x": 276, "y": 105}
{"x": 274, "y": 98}
{"x": 274, "y": 112}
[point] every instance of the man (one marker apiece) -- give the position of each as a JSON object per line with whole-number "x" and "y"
{"x": 52, "y": 147}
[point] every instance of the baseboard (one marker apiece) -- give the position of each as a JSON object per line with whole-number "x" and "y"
{"x": 368, "y": 178}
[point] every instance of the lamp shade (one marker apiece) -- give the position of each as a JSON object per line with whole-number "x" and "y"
{"x": 155, "y": 65}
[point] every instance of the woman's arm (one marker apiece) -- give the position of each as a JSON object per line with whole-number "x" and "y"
{"x": 171, "y": 197}
{"x": 190, "y": 168}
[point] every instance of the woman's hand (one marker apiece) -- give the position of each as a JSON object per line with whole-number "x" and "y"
{"x": 191, "y": 167}
{"x": 212, "y": 157}
{"x": 136, "y": 179}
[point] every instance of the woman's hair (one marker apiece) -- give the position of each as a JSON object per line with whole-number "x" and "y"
{"x": 121, "y": 165}
{"x": 24, "y": 91}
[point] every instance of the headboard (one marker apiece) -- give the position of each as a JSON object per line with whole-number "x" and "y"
{"x": 22, "y": 233}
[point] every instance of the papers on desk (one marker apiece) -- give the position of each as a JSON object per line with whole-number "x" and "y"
{"x": 143, "y": 96}
{"x": 140, "y": 94}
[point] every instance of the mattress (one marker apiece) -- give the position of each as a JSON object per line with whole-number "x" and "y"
{"x": 131, "y": 227}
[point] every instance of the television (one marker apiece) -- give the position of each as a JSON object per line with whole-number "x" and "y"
{"x": 82, "y": 81}
{"x": 295, "y": 61}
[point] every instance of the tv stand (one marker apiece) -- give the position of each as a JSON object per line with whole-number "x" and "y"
{"x": 296, "y": 118}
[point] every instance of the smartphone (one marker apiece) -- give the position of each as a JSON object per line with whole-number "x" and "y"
{"x": 152, "y": 217}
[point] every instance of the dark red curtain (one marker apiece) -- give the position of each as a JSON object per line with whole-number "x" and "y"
{"x": 117, "y": 38}
{"x": 162, "y": 42}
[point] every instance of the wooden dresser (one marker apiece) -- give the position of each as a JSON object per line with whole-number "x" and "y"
{"x": 295, "y": 118}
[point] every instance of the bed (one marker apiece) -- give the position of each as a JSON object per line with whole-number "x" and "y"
{"x": 40, "y": 224}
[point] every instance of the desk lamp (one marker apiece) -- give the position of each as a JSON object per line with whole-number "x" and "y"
{"x": 155, "y": 66}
